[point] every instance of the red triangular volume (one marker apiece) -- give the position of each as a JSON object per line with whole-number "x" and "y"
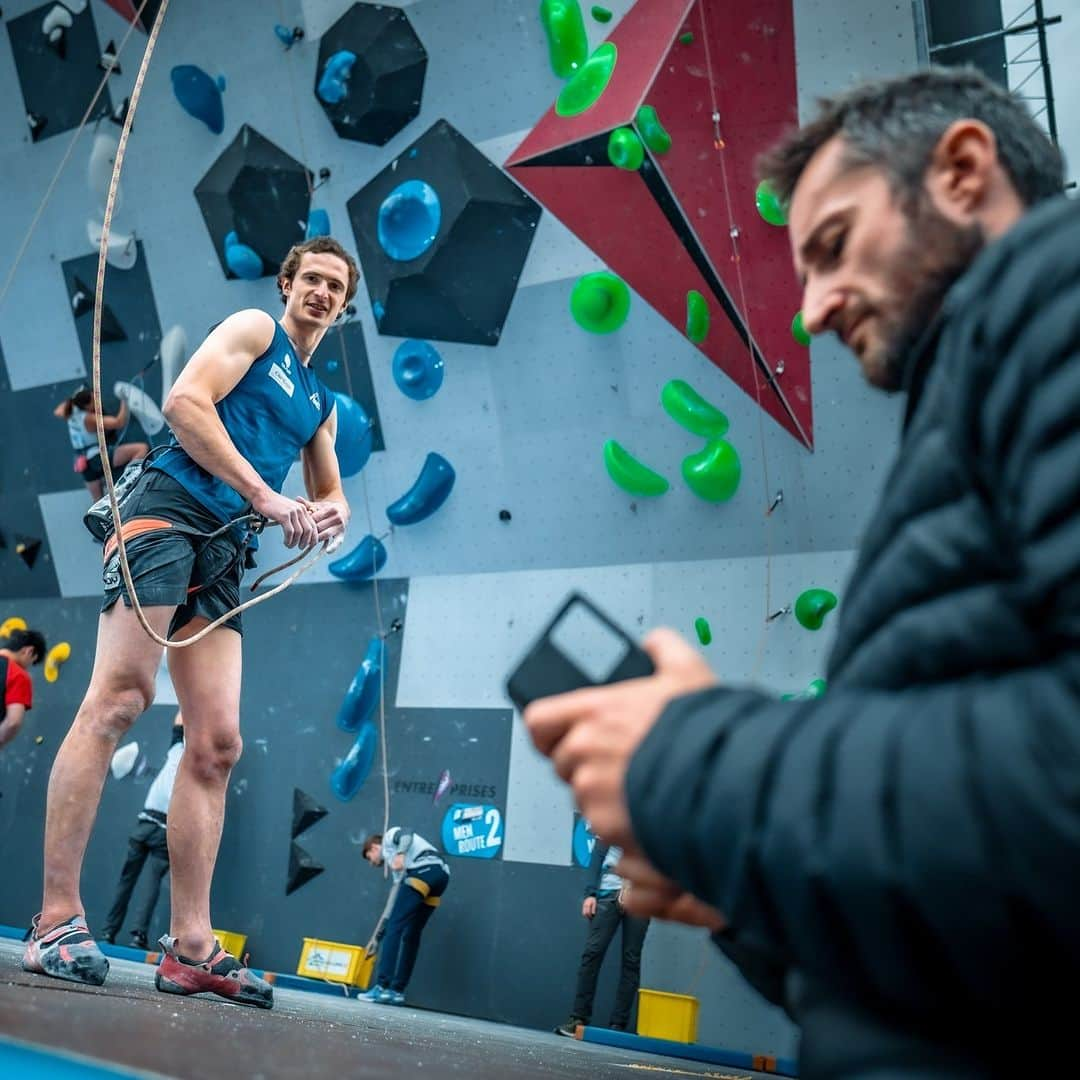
{"x": 643, "y": 39}
{"x": 128, "y": 9}
{"x": 673, "y": 212}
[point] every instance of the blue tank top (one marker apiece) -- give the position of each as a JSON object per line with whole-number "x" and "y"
{"x": 271, "y": 414}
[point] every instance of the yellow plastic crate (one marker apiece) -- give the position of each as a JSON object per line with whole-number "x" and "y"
{"x": 667, "y": 1016}
{"x": 230, "y": 942}
{"x": 336, "y": 962}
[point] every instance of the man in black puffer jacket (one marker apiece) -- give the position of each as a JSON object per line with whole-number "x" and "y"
{"x": 898, "y": 862}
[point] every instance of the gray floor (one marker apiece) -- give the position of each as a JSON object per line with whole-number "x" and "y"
{"x": 127, "y": 1022}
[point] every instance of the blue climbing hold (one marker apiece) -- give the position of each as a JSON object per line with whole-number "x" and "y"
{"x": 348, "y": 778}
{"x": 199, "y": 95}
{"x": 333, "y": 82}
{"x": 431, "y": 490}
{"x": 378, "y": 310}
{"x": 418, "y": 369}
{"x": 409, "y": 220}
{"x": 354, "y": 435}
{"x": 363, "y": 562}
{"x": 288, "y": 35}
{"x": 363, "y": 694}
{"x": 242, "y": 260}
{"x": 318, "y": 224}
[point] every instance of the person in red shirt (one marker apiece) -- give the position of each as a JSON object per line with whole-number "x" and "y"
{"x": 20, "y": 651}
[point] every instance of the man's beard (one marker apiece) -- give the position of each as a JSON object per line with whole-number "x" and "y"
{"x": 935, "y": 254}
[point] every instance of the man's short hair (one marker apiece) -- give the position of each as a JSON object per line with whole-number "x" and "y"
{"x": 895, "y": 124}
{"x": 374, "y": 838}
{"x": 318, "y": 245}
{"x": 20, "y": 639}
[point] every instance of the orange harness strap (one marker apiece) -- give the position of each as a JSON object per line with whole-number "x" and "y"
{"x": 135, "y": 527}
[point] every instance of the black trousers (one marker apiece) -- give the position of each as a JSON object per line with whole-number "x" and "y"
{"x": 147, "y": 844}
{"x": 602, "y": 928}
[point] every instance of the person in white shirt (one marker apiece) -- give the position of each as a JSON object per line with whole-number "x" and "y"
{"x": 420, "y": 878}
{"x": 147, "y": 843}
{"x": 78, "y": 411}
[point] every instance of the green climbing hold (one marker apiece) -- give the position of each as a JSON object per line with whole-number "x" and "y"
{"x": 629, "y": 473}
{"x": 815, "y": 690}
{"x": 768, "y": 205}
{"x": 798, "y": 331}
{"x": 714, "y": 473}
{"x": 812, "y": 606}
{"x": 687, "y": 407}
{"x": 601, "y": 14}
{"x": 600, "y": 302}
{"x": 697, "y": 317}
{"x": 624, "y": 149}
{"x": 588, "y": 83}
{"x": 704, "y": 634}
{"x": 568, "y": 44}
{"x": 653, "y": 133}
{"x": 687, "y": 38}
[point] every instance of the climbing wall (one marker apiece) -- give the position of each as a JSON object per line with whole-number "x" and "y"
{"x": 521, "y": 416}
{"x": 722, "y": 87}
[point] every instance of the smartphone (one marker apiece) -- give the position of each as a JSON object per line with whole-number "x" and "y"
{"x": 579, "y": 647}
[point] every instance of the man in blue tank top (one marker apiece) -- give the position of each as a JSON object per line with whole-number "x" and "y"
{"x": 245, "y": 407}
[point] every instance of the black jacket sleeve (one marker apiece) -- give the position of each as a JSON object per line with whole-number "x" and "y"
{"x": 596, "y": 867}
{"x": 917, "y": 843}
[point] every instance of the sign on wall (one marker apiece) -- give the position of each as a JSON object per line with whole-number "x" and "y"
{"x": 472, "y": 831}
{"x": 582, "y": 843}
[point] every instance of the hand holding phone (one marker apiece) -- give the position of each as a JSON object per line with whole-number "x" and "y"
{"x": 580, "y": 646}
{"x": 592, "y": 736}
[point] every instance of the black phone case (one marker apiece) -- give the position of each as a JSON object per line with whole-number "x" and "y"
{"x": 545, "y": 671}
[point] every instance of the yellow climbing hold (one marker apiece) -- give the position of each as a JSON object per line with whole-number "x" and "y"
{"x": 14, "y": 623}
{"x": 56, "y": 656}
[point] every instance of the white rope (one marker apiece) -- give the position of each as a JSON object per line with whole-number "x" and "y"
{"x": 733, "y": 232}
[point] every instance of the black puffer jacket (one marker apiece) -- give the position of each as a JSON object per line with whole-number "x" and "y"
{"x": 906, "y": 849}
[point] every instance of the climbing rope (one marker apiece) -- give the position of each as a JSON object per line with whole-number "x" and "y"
{"x": 383, "y": 752}
{"x": 106, "y": 465}
{"x": 733, "y": 231}
{"x": 296, "y": 109}
{"x": 64, "y": 160}
{"x": 376, "y": 599}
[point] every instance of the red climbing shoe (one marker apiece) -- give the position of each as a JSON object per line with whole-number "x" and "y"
{"x": 220, "y": 973}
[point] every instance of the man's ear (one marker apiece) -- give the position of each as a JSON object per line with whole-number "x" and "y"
{"x": 285, "y": 285}
{"x": 963, "y": 168}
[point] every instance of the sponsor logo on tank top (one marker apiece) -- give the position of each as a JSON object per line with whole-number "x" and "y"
{"x": 282, "y": 379}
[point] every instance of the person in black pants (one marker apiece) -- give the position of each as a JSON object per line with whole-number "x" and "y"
{"x": 147, "y": 845}
{"x": 603, "y": 907}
